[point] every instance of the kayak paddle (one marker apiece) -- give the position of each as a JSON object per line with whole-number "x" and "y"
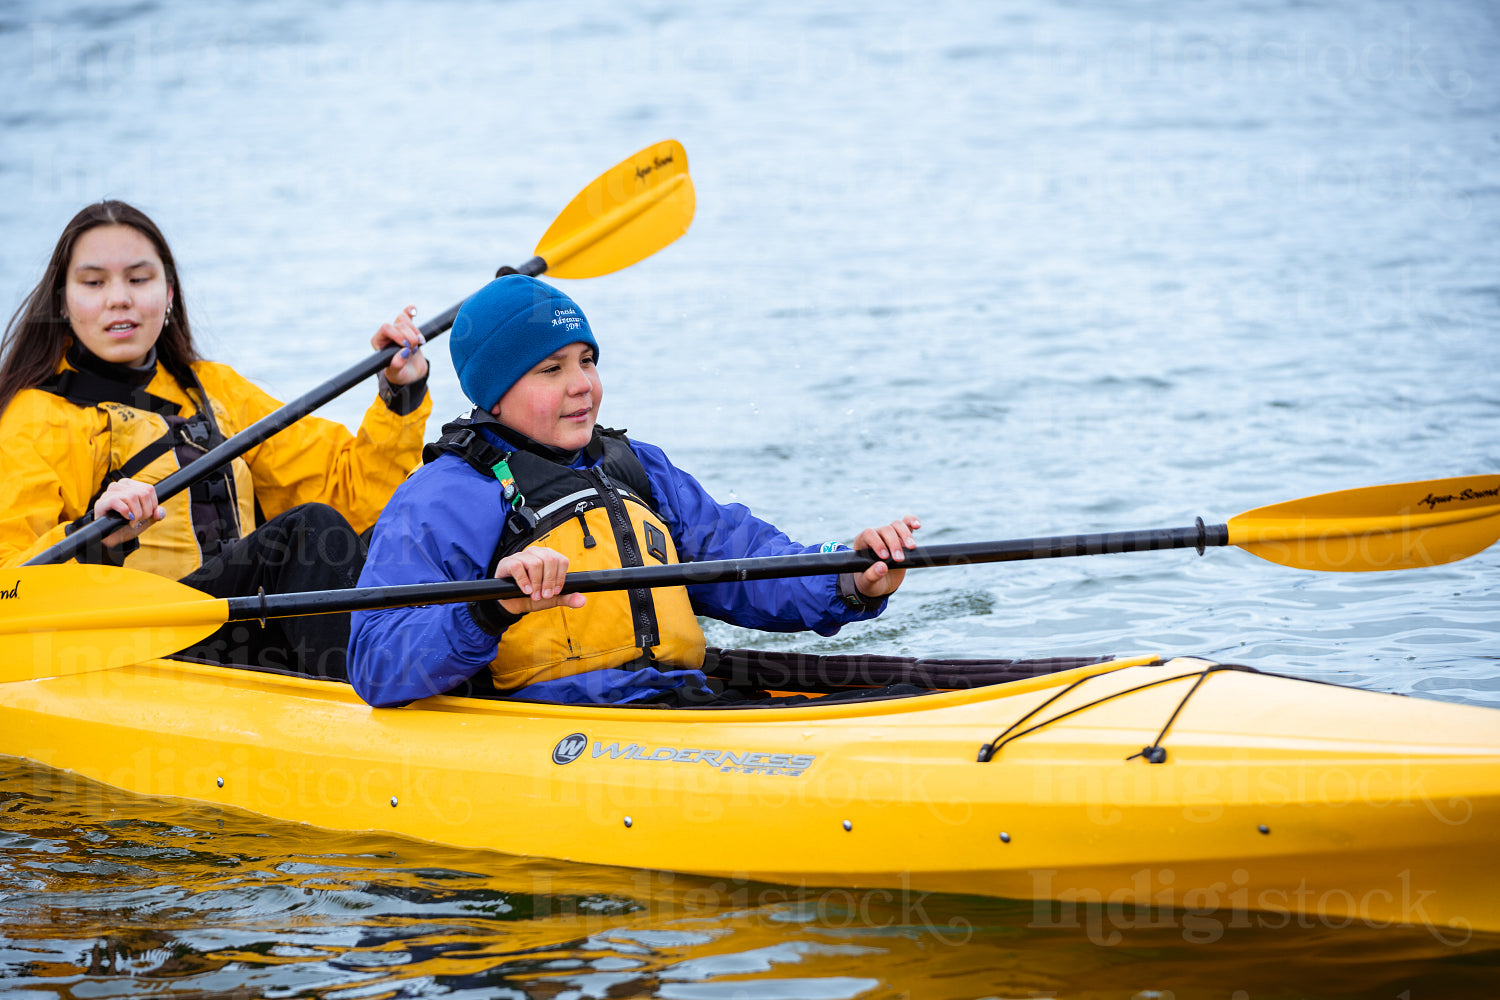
{"x": 624, "y": 215}
{"x": 138, "y": 616}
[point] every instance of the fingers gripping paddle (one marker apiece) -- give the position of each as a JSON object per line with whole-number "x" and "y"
{"x": 624, "y": 215}
{"x": 133, "y": 616}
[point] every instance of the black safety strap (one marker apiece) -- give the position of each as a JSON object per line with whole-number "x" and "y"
{"x": 469, "y": 445}
{"x": 463, "y": 439}
{"x": 642, "y": 605}
{"x": 86, "y": 388}
{"x": 492, "y": 463}
{"x": 213, "y": 500}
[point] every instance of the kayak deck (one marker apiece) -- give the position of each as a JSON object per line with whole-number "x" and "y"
{"x": 1272, "y": 795}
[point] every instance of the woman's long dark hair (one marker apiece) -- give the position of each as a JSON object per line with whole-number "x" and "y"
{"x": 38, "y": 334}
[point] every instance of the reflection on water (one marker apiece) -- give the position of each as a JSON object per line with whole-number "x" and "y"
{"x": 128, "y": 896}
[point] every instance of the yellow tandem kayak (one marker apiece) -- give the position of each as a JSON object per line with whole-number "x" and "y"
{"x": 1126, "y": 782}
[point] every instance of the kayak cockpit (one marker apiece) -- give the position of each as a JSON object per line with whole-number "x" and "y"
{"x": 758, "y": 678}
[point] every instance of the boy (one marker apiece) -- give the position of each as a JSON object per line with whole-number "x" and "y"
{"x": 528, "y": 487}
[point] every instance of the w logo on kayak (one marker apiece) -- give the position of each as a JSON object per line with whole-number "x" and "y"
{"x": 569, "y": 748}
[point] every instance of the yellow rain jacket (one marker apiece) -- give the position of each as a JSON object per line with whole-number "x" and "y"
{"x": 55, "y": 458}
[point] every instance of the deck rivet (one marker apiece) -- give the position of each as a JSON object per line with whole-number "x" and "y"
{"x": 1263, "y": 828}
{"x": 393, "y": 801}
{"x": 629, "y": 822}
{"x": 848, "y": 825}
{"x": 1004, "y": 837}
{"x": 220, "y": 782}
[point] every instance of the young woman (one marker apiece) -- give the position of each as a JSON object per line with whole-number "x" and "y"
{"x": 103, "y": 393}
{"x": 528, "y": 487}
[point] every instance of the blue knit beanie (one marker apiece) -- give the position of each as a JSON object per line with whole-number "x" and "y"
{"x": 506, "y": 328}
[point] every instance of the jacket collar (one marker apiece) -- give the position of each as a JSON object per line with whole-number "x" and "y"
{"x": 85, "y": 360}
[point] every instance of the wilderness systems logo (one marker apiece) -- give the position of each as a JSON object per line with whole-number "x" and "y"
{"x": 1433, "y": 501}
{"x": 13, "y": 592}
{"x": 569, "y": 748}
{"x": 790, "y": 765}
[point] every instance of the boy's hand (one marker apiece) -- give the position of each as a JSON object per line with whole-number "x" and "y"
{"x": 889, "y": 541}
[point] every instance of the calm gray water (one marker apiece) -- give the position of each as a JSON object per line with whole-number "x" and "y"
{"x": 1021, "y": 269}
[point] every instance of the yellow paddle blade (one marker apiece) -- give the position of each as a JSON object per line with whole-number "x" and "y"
{"x": 1402, "y": 526}
{"x": 629, "y": 212}
{"x": 71, "y": 618}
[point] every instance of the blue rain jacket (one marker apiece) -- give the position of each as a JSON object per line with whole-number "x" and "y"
{"x": 444, "y": 523}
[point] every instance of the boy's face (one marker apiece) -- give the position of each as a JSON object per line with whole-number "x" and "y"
{"x": 557, "y": 402}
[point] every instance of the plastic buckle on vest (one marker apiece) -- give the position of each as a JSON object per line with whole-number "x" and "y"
{"x": 195, "y": 431}
{"x": 210, "y": 491}
{"x": 520, "y": 521}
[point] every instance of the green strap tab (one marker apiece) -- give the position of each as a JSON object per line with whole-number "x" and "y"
{"x": 512, "y": 493}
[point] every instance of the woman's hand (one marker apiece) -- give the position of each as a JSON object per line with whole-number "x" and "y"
{"x": 540, "y": 573}
{"x": 136, "y": 502}
{"x": 889, "y": 541}
{"x": 409, "y": 364}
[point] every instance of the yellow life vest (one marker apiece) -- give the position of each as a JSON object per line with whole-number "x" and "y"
{"x": 149, "y": 439}
{"x": 601, "y": 517}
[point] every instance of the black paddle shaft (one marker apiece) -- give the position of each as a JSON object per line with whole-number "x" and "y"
{"x": 729, "y": 570}
{"x": 272, "y": 423}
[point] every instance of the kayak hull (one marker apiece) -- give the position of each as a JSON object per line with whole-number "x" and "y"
{"x": 1277, "y": 799}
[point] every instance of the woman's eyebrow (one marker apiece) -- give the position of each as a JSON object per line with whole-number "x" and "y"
{"x": 100, "y": 267}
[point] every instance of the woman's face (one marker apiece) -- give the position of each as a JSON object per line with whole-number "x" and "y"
{"x": 116, "y": 296}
